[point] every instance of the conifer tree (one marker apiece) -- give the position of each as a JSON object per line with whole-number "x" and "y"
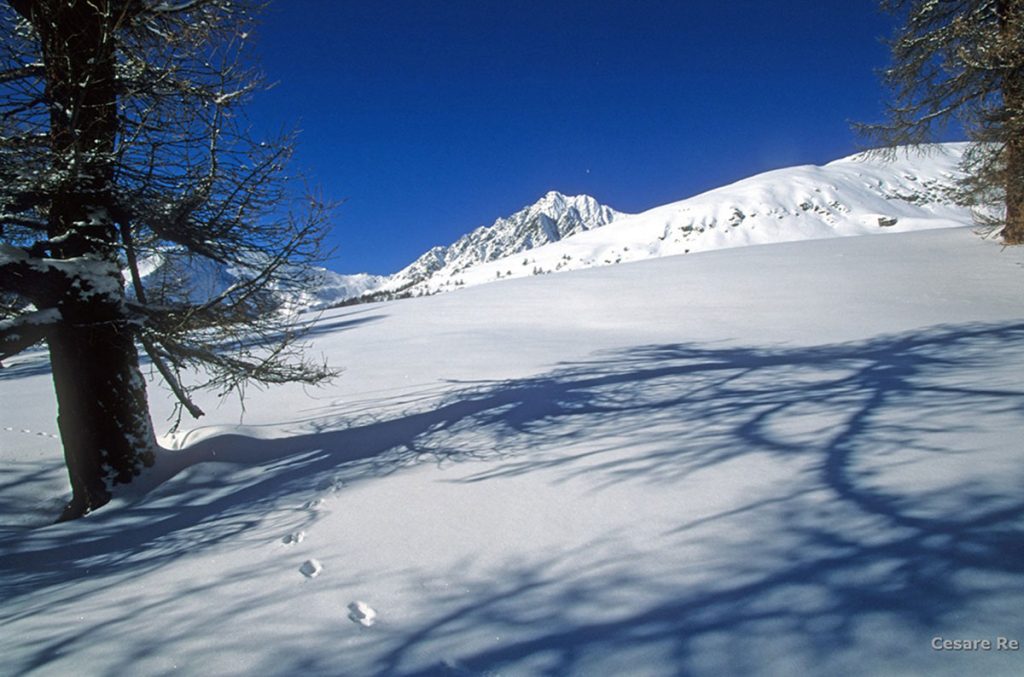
{"x": 122, "y": 148}
{"x": 963, "y": 61}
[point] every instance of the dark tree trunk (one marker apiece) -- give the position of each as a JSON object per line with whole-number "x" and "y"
{"x": 102, "y": 411}
{"x": 1013, "y": 231}
{"x": 103, "y": 415}
{"x": 1011, "y": 18}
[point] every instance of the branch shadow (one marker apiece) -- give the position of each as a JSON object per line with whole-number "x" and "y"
{"x": 887, "y": 514}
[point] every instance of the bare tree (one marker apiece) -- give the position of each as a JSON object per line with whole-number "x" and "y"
{"x": 963, "y": 61}
{"x": 122, "y": 147}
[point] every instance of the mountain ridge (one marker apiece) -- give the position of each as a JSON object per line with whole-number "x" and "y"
{"x": 859, "y": 194}
{"x": 856, "y": 195}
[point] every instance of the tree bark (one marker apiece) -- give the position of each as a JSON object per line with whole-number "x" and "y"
{"x": 103, "y": 415}
{"x": 1013, "y": 231}
{"x": 1011, "y": 23}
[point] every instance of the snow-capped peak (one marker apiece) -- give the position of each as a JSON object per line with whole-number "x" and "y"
{"x": 857, "y": 195}
{"x": 552, "y": 218}
{"x": 860, "y": 194}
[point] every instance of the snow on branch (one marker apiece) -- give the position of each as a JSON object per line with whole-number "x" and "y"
{"x": 24, "y": 331}
{"x": 32, "y": 70}
{"x": 170, "y": 8}
{"x": 36, "y": 278}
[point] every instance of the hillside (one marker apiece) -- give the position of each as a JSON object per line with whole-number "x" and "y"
{"x": 862, "y": 194}
{"x": 801, "y": 458}
{"x": 859, "y": 195}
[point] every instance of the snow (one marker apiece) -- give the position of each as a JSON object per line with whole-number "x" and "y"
{"x": 858, "y": 195}
{"x": 10, "y": 254}
{"x": 362, "y": 613}
{"x": 91, "y": 274}
{"x": 796, "y": 458}
{"x": 311, "y": 568}
{"x": 32, "y": 318}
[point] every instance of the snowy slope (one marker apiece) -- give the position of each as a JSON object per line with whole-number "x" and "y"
{"x": 792, "y": 459}
{"x": 552, "y": 218}
{"x": 198, "y": 280}
{"x": 859, "y": 195}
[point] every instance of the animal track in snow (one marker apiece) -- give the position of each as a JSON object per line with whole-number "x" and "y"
{"x": 293, "y": 538}
{"x": 362, "y": 613}
{"x": 26, "y": 431}
{"x": 311, "y": 568}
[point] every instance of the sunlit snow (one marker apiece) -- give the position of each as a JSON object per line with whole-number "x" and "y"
{"x": 801, "y": 458}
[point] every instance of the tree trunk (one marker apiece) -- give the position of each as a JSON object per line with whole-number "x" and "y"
{"x": 1013, "y": 231}
{"x": 1011, "y": 18}
{"x": 103, "y": 415}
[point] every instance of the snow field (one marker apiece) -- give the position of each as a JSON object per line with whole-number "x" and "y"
{"x": 764, "y": 460}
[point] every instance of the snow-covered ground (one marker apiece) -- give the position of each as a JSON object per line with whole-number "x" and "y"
{"x": 797, "y": 458}
{"x": 863, "y": 194}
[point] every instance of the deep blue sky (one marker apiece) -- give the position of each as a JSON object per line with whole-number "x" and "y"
{"x": 432, "y": 117}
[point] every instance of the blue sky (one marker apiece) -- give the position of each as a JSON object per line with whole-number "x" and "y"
{"x": 432, "y": 117}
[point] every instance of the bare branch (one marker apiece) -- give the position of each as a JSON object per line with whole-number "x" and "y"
{"x": 32, "y": 70}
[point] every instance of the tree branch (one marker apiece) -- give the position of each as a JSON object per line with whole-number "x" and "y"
{"x": 24, "y": 331}
{"x": 32, "y": 70}
{"x": 172, "y": 380}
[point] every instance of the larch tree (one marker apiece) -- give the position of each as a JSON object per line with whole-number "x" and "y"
{"x": 122, "y": 150}
{"x": 963, "y": 61}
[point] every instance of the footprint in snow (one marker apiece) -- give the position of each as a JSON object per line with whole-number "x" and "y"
{"x": 314, "y": 504}
{"x": 311, "y": 568}
{"x": 293, "y": 538}
{"x": 362, "y": 613}
{"x": 11, "y": 429}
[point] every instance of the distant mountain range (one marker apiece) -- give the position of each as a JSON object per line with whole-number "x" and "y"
{"x": 858, "y": 195}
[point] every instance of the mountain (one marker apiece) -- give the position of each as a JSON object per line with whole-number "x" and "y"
{"x": 857, "y": 195}
{"x": 860, "y": 194}
{"x": 551, "y": 219}
{"x": 174, "y": 273}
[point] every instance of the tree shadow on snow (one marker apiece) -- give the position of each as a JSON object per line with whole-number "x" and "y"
{"x": 850, "y": 536}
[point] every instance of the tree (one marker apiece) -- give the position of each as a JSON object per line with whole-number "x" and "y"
{"x": 122, "y": 148}
{"x": 963, "y": 61}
